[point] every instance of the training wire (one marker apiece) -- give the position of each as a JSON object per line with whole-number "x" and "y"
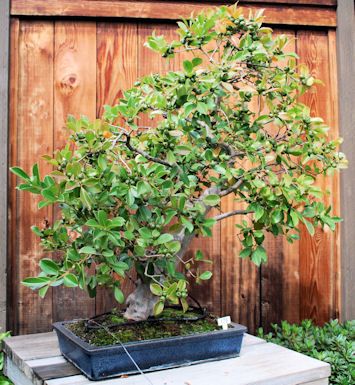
{"x": 126, "y": 351}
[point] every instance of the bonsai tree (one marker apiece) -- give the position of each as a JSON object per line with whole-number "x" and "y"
{"x": 132, "y": 197}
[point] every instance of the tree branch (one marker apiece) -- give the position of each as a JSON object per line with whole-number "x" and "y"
{"x": 145, "y": 154}
{"x": 232, "y": 213}
{"x": 230, "y": 189}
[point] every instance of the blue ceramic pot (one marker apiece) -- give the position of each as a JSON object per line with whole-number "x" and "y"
{"x": 98, "y": 363}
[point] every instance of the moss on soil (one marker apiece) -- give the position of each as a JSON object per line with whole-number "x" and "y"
{"x": 142, "y": 330}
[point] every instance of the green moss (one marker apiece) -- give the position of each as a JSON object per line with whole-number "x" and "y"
{"x": 142, "y": 330}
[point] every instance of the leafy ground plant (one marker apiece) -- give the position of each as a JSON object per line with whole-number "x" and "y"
{"x": 3, "y": 380}
{"x": 333, "y": 343}
{"x": 133, "y": 195}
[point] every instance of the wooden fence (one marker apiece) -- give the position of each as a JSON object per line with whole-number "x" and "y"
{"x": 72, "y": 57}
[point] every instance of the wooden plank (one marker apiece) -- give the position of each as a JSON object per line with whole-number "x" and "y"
{"x": 31, "y": 347}
{"x": 12, "y": 371}
{"x": 290, "y": 15}
{"x": 317, "y": 253}
{"x": 240, "y": 278}
{"x": 279, "y": 283}
{"x": 12, "y": 264}
{"x": 4, "y": 113}
{"x": 333, "y": 118}
{"x": 65, "y": 369}
{"x": 117, "y": 55}
{"x": 75, "y": 94}
{"x": 265, "y": 364}
{"x": 346, "y": 74}
{"x": 34, "y": 137}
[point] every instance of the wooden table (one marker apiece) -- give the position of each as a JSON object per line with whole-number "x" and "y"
{"x": 36, "y": 359}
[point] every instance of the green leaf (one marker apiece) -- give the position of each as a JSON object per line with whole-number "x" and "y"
{"x": 184, "y": 304}
{"x": 259, "y": 255}
{"x": 158, "y": 308}
{"x": 196, "y": 61}
{"x": 205, "y": 275}
{"x": 187, "y": 224}
{"x": 70, "y": 280}
{"x": 19, "y": 172}
{"x": 156, "y": 289}
{"x": 294, "y": 217}
{"x": 188, "y": 66}
{"x": 42, "y": 293}
{"x": 164, "y": 238}
{"x": 36, "y": 230}
{"x": 102, "y": 218}
{"x": 212, "y": 200}
{"x": 309, "y": 227}
{"x": 85, "y": 198}
{"x": 49, "y": 266}
{"x": 119, "y": 296}
{"x": 277, "y": 216}
{"x": 35, "y": 282}
{"x": 173, "y": 246}
{"x": 199, "y": 255}
{"x": 143, "y": 187}
{"x": 87, "y": 250}
{"x": 259, "y": 212}
{"x": 35, "y": 172}
{"x": 116, "y": 222}
{"x": 245, "y": 253}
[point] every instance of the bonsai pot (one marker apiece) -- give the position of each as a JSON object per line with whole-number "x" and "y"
{"x": 162, "y": 353}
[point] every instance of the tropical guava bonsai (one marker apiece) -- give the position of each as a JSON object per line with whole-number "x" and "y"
{"x": 132, "y": 196}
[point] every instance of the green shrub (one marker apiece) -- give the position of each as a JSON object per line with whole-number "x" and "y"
{"x": 3, "y": 380}
{"x": 333, "y": 343}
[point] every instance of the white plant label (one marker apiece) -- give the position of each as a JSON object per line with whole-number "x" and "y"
{"x": 224, "y": 322}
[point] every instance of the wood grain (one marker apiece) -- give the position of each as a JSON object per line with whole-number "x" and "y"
{"x": 290, "y": 15}
{"x": 117, "y": 55}
{"x": 346, "y": 73}
{"x": 240, "y": 278}
{"x": 75, "y": 94}
{"x": 4, "y": 113}
{"x": 259, "y": 363}
{"x": 12, "y": 257}
{"x": 317, "y": 253}
{"x": 35, "y": 137}
{"x": 334, "y": 182}
{"x": 279, "y": 276}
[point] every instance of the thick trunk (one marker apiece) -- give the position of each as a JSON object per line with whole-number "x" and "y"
{"x": 140, "y": 303}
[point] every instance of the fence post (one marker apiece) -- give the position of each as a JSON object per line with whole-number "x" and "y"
{"x": 345, "y": 45}
{"x": 4, "y": 97}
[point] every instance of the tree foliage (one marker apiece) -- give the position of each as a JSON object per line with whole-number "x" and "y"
{"x": 134, "y": 196}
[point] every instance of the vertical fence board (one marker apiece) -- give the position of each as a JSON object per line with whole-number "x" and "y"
{"x": 333, "y": 120}
{"x": 35, "y": 137}
{"x": 74, "y": 93}
{"x": 240, "y": 278}
{"x": 12, "y": 258}
{"x": 279, "y": 283}
{"x": 116, "y": 72}
{"x": 316, "y": 254}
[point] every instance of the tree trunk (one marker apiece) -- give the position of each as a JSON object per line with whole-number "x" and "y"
{"x": 140, "y": 303}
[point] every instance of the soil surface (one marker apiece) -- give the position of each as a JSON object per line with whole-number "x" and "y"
{"x": 139, "y": 331}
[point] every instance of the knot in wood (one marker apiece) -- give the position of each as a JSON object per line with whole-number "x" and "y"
{"x": 68, "y": 84}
